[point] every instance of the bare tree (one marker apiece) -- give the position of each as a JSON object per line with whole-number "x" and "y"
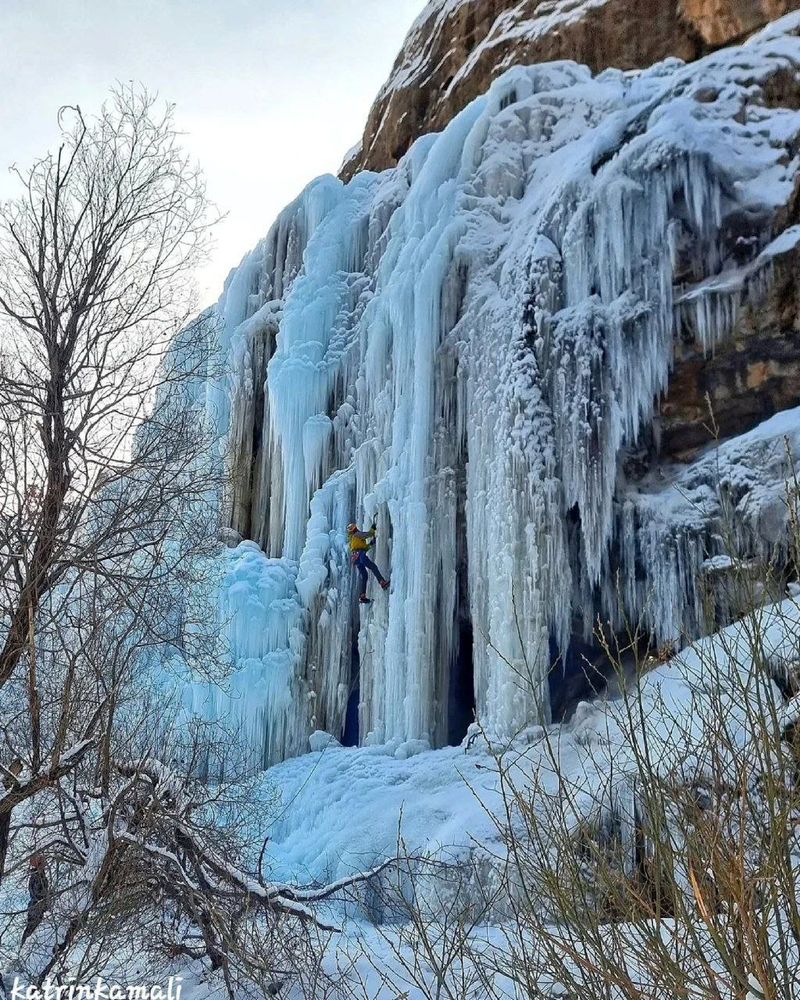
{"x": 109, "y": 500}
{"x": 96, "y": 256}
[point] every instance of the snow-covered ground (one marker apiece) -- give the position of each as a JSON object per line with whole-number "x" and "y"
{"x": 340, "y": 810}
{"x": 336, "y": 811}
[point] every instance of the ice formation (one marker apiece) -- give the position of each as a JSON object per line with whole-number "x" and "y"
{"x": 462, "y": 348}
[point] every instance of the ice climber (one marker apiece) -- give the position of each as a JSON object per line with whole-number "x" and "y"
{"x": 360, "y": 544}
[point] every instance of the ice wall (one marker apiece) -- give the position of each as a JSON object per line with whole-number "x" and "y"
{"x": 462, "y": 348}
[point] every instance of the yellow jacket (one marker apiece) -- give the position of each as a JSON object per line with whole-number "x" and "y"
{"x": 361, "y": 541}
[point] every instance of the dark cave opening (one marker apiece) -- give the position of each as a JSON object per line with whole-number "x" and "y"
{"x": 461, "y": 695}
{"x": 350, "y": 728}
{"x": 585, "y": 671}
{"x": 581, "y": 673}
{"x": 461, "y": 687}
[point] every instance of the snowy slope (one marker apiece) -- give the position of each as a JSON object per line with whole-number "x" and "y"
{"x": 463, "y": 348}
{"x": 338, "y": 811}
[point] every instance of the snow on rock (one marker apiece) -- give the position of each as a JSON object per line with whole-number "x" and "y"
{"x": 456, "y": 48}
{"x": 687, "y": 523}
{"x": 322, "y": 741}
{"x": 462, "y": 348}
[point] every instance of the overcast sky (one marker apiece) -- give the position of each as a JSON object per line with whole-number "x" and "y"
{"x": 272, "y": 93}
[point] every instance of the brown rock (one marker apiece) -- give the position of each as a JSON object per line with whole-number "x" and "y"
{"x": 458, "y": 47}
{"x": 746, "y": 380}
{"x": 720, "y": 22}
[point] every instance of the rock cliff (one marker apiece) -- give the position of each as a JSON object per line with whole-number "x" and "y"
{"x": 456, "y": 48}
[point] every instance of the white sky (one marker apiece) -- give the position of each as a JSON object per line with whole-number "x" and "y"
{"x": 272, "y": 93}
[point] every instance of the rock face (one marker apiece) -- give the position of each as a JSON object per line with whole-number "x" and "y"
{"x": 748, "y": 379}
{"x": 456, "y": 48}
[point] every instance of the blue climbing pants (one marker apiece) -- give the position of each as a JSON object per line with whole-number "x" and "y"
{"x": 365, "y": 566}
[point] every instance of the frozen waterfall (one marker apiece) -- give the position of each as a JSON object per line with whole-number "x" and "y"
{"x": 463, "y": 347}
